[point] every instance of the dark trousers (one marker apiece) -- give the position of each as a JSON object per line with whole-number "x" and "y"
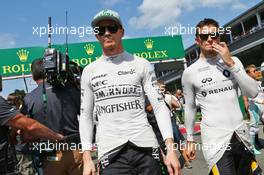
{"x": 236, "y": 161}
{"x": 132, "y": 160}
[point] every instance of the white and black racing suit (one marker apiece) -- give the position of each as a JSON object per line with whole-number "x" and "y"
{"x": 216, "y": 88}
{"x": 114, "y": 88}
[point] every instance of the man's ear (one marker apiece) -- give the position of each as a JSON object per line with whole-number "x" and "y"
{"x": 123, "y": 32}
{"x": 197, "y": 41}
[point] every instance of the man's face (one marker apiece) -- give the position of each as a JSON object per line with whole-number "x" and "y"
{"x": 178, "y": 92}
{"x": 110, "y": 34}
{"x": 253, "y": 73}
{"x": 162, "y": 87}
{"x": 207, "y": 36}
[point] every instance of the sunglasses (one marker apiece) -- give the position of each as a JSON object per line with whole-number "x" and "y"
{"x": 205, "y": 37}
{"x": 113, "y": 28}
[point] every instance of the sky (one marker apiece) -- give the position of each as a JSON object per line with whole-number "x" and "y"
{"x": 21, "y": 20}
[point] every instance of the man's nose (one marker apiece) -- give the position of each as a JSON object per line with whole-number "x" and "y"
{"x": 107, "y": 32}
{"x": 209, "y": 38}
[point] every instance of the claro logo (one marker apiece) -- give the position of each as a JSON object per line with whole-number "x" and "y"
{"x": 122, "y": 72}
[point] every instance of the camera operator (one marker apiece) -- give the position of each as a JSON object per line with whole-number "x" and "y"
{"x": 31, "y": 129}
{"x": 56, "y": 107}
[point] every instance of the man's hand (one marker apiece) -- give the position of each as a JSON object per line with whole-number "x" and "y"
{"x": 190, "y": 151}
{"x": 223, "y": 50}
{"x": 88, "y": 165}
{"x": 171, "y": 160}
{"x": 13, "y": 135}
{"x": 60, "y": 137}
{"x": 27, "y": 137}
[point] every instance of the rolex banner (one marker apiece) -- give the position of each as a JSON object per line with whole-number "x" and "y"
{"x": 17, "y": 61}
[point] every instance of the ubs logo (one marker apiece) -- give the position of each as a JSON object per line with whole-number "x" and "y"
{"x": 207, "y": 80}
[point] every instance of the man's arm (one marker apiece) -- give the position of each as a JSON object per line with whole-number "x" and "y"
{"x": 190, "y": 107}
{"x": 86, "y": 123}
{"x": 190, "y": 111}
{"x": 259, "y": 100}
{"x": 245, "y": 99}
{"x": 33, "y": 128}
{"x": 162, "y": 114}
{"x": 9, "y": 116}
{"x": 175, "y": 102}
{"x": 247, "y": 84}
{"x": 246, "y": 103}
{"x": 156, "y": 99}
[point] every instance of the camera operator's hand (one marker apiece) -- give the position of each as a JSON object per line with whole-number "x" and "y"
{"x": 60, "y": 137}
{"x": 26, "y": 137}
{"x": 88, "y": 165}
{"x": 13, "y": 135}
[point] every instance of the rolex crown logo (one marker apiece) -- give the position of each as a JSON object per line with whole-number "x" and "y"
{"x": 89, "y": 48}
{"x": 23, "y": 55}
{"x": 149, "y": 44}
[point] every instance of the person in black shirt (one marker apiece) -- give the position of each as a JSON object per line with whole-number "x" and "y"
{"x": 31, "y": 129}
{"x": 60, "y": 113}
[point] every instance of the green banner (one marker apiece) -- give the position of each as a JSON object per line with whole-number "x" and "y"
{"x": 17, "y": 61}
